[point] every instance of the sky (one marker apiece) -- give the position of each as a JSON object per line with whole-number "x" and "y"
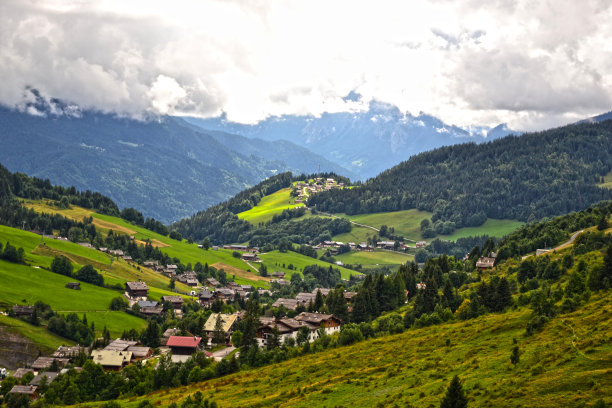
{"x": 530, "y": 64}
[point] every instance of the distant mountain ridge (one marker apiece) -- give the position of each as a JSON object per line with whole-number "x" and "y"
{"x": 165, "y": 167}
{"x": 366, "y": 143}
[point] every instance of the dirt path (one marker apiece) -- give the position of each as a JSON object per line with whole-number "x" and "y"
{"x": 563, "y": 245}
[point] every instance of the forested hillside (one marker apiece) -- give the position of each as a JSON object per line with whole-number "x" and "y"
{"x": 526, "y": 178}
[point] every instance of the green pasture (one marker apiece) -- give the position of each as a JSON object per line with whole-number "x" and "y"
{"x": 376, "y": 258}
{"x": 29, "y": 285}
{"x": 269, "y": 206}
{"x": 406, "y": 223}
{"x": 275, "y": 260}
{"x": 491, "y": 227}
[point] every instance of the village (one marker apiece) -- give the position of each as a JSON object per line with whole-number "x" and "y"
{"x": 304, "y": 189}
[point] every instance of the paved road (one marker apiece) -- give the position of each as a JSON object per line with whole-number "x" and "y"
{"x": 570, "y": 241}
{"x": 220, "y": 354}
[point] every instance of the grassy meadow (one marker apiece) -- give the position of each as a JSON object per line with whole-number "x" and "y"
{"x": 30, "y": 284}
{"x": 406, "y": 223}
{"x": 376, "y": 258}
{"x": 269, "y": 206}
{"x": 187, "y": 253}
{"x": 568, "y": 364}
{"x": 275, "y": 260}
{"x": 491, "y": 227}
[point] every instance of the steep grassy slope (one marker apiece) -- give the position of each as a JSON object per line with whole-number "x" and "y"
{"x": 568, "y": 364}
{"x": 269, "y": 206}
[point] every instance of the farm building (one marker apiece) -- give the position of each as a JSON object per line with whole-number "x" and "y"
{"x": 137, "y": 289}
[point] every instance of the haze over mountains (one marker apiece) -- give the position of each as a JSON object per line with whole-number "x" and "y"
{"x": 366, "y": 142}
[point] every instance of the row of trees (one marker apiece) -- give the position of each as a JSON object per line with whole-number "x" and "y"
{"x": 87, "y": 273}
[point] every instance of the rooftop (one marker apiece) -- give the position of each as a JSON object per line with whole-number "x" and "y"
{"x": 183, "y": 341}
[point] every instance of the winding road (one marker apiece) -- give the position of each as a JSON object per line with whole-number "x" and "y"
{"x": 563, "y": 245}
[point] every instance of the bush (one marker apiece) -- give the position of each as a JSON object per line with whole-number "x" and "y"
{"x": 119, "y": 303}
{"x": 536, "y": 324}
{"x": 350, "y": 334}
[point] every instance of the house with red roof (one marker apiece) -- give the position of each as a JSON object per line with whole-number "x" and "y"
{"x": 184, "y": 345}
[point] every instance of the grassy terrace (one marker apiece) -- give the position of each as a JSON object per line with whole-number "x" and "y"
{"x": 491, "y": 227}
{"x": 269, "y": 206}
{"x": 414, "y": 368}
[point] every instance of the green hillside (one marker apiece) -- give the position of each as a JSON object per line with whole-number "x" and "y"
{"x": 31, "y": 284}
{"x": 567, "y": 364}
{"x": 270, "y": 206}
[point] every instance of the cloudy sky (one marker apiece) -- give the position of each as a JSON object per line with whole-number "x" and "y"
{"x": 531, "y": 64}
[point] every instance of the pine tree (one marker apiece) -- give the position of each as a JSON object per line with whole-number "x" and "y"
{"x": 218, "y": 333}
{"x": 318, "y": 303}
{"x": 603, "y": 223}
{"x": 504, "y": 296}
{"x": 515, "y": 356}
{"x": 455, "y": 397}
{"x": 251, "y": 324}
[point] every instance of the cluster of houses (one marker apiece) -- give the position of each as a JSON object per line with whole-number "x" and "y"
{"x": 305, "y": 298}
{"x": 334, "y": 245}
{"x": 42, "y": 367}
{"x": 305, "y": 190}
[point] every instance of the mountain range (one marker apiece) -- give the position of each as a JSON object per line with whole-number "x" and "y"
{"x": 164, "y": 166}
{"x": 366, "y": 142}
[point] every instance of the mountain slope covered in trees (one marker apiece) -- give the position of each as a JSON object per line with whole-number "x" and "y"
{"x": 526, "y": 178}
{"x": 166, "y": 168}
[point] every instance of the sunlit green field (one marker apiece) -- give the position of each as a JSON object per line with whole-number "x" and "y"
{"x": 492, "y": 228}
{"x": 376, "y": 258}
{"x": 275, "y": 260}
{"x": 27, "y": 285}
{"x": 269, "y": 206}
{"x": 406, "y": 223}
{"x": 187, "y": 253}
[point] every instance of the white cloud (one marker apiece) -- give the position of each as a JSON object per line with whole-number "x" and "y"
{"x": 532, "y": 65}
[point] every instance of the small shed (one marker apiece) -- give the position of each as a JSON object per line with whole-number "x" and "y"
{"x": 74, "y": 285}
